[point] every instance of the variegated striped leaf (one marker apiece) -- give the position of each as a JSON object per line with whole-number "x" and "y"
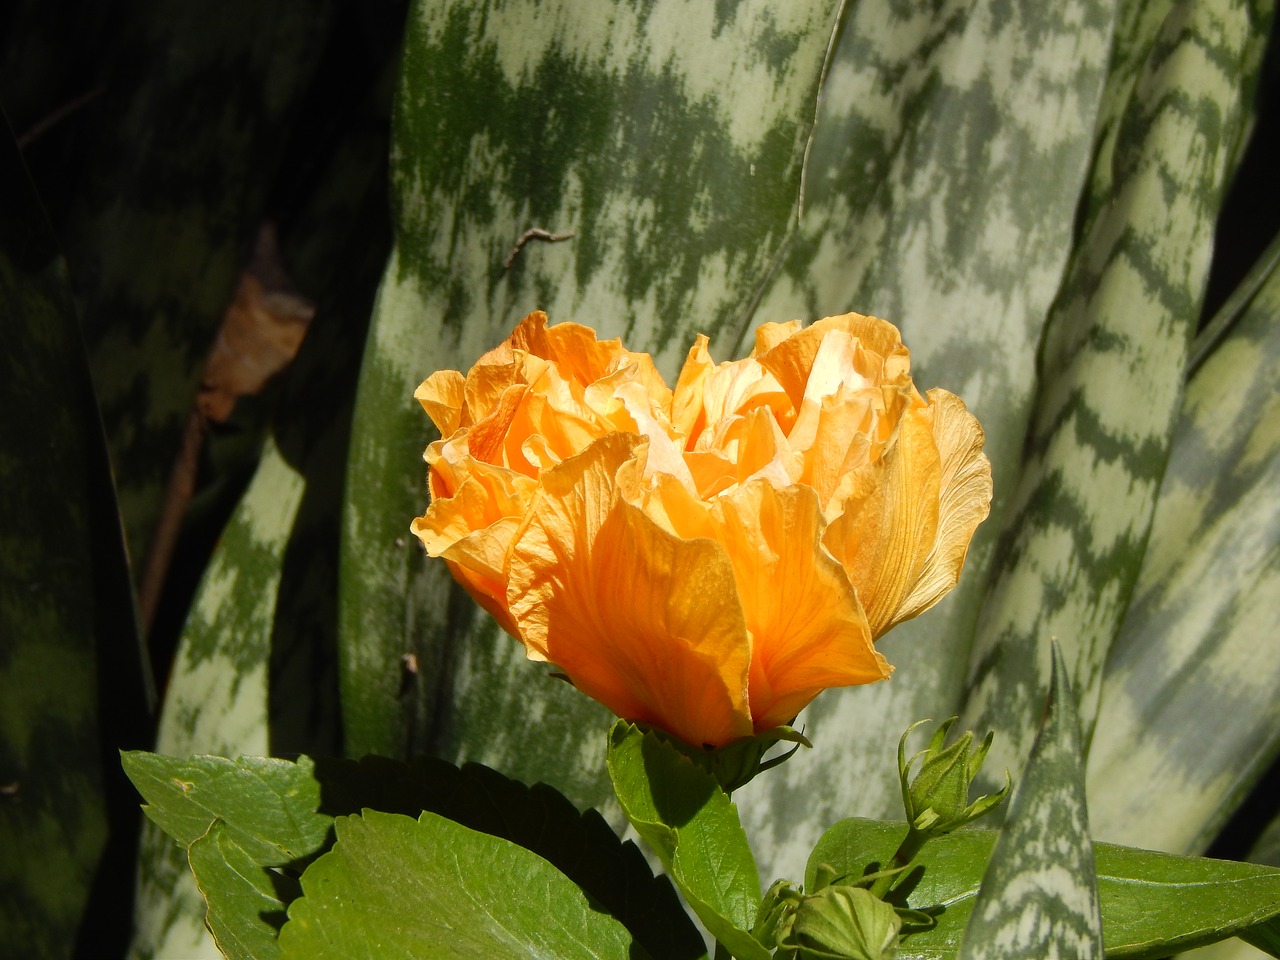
{"x": 945, "y": 172}
{"x": 71, "y": 674}
{"x": 667, "y": 138}
{"x": 1039, "y": 894}
{"x": 287, "y": 588}
{"x": 1112, "y": 358}
{"x": 217, "y": 700}
{"x": 190, "y": 132}
{"x": 1189, "y": 707}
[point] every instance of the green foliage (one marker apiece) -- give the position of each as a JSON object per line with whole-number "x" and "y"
{"x": 692, "y": 825}
{"x": 246, "y": 907}
{"x": 1144, "y": 895}
{"x": 1039, "y": 895}
{"x": 395, "y": 887}
{"x": 1030, "y": 191}
{"x": 71, "y": 675}
{"x": 274, "y": 817}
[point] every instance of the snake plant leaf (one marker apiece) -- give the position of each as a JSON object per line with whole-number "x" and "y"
{"x": 393, "y": 886}
{"x": 71, "y": 670}
{"x": 189, "y": 133}
{"x": 284, "y": 602}
{"x": 1039, "y": 893}
{"x": 1153, "y": 904}
{"x": 668, "y": 140}
{"x": 1189, "y": 707}
{"x": 969, "y": 288}
{"x": 217, "y": 697}
{"x": 1173, "y": 114}
{"x": 941, "y": 191}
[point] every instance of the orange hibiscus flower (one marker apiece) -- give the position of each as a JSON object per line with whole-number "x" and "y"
{"x": 708, "y": 559}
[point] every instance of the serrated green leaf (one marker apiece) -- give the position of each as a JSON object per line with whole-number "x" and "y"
{"x": 267, "y": 807}
{"x": 1193, "y": 638}
{"x": 246, "y": 902}
{"x": 669, "y": 140}
{"x": 71, "y": 670}
{"x": 692, "y": 825}
{"x": 430, "y": 888}
{"x": 1039, "y": 895}
{"x": 1115, "y": 343}
{"x": 1152, "y": 903}
{"x": 279, "y": 813}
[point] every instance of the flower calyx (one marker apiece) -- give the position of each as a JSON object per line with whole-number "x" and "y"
{"x": 737, "y": 763}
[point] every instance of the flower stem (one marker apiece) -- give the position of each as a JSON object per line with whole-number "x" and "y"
{"x": 906, "y": 852}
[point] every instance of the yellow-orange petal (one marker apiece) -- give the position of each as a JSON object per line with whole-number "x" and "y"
{"x": 487, "y": 437}
{"x": 491, "y": 376}
{"x": 643, "y": 621}
{"x": 442, "y": 396}
{"x": 964, "y": 500}
{"x": 763, "y": 451}
{"x": 808, "y": 629}
{"x": 769, "y": 335}
{"x": 475, "y": 563}
{"x": 840, "y": 443}
{"x": 688, "y": 416}
{"x": 888, "y": 522}
{"x": 878, "y": 356}
{"x": 485, "y": 495}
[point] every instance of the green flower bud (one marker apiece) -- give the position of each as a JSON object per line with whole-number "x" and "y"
{"x": 776, "y": 913}
{"x": 937, "y": 798}
{"x": 842, "y": 922}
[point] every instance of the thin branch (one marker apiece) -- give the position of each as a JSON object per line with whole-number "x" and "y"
{"x": 53, "y": 119}
{"x": 533, "y": 233}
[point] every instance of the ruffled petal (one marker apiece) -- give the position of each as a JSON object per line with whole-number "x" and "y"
{"x": 645, "y": 622}
{"x": 688, "y": 414}
{"x": 808, "y": 629}
{"x": 874, "y": 352}
{"x": 442, "y": 396}
{"x": 888, "y": 522}
{"x": 964, "y": 500}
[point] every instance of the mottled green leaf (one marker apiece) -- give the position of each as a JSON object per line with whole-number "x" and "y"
{"x": 1172, "y": 117}
{"x": 1189, "y": 707}
{"x": 1039, "y": 895}
{"x": 246, "y": 910}
{"x": 941, "y": 192}
{"x": 71, "y": 674}
{"x": 430, "y": 888}
{"x": 692, "y": 825}
{"x": 1152, "y": 903}
{"x": 217, "y": 700}
{"x": 668, "y": 139}
{"x": 190, "y": 130}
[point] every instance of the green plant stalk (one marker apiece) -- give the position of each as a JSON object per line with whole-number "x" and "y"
{"x": 903, "y": 857}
